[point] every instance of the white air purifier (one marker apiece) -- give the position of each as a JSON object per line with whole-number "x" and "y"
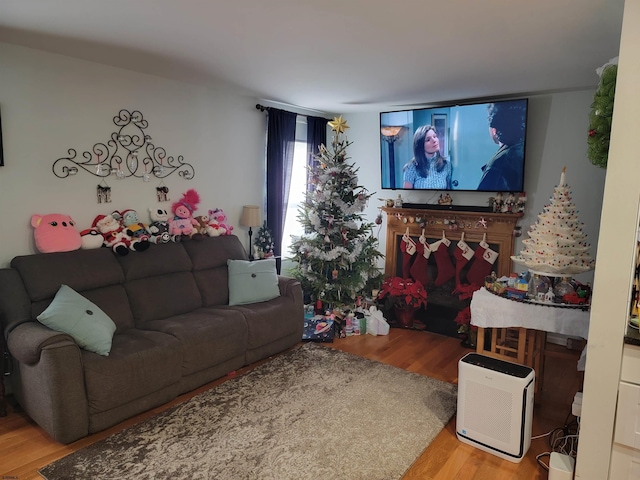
{"x": 495, "y": 406}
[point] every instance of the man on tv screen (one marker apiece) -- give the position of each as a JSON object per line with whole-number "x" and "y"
{"x": 503, "y": 172}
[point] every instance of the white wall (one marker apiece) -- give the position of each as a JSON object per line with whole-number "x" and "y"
{"x": 51, "y": 103}
{"x": 557, "y": 133}
{"x": 615, "y": 264}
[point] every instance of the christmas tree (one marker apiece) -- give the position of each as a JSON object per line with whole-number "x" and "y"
{"x": 337, "y": 257}
{"x": 556, "y": 243}
{"x": 264, "y": 242}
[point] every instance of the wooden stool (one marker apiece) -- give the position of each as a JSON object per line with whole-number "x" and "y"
{"x": 518, "y": 345}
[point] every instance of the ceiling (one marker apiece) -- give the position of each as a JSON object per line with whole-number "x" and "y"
{"x": 331, "y": 55}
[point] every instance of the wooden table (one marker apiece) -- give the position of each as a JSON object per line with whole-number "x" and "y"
{"x": 519, "y": 329}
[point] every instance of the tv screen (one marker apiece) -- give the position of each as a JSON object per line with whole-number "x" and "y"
{"x": 477, "y": 147}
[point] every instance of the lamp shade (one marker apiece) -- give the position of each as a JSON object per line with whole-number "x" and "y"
{"x": 251, "y": 216}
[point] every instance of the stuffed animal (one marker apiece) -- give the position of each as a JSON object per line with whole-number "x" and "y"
{"x": 91, "y": 238}
{"x": 183, "y": 221}
{"x": 159, "y": 226}
{"x": 138, "y": 231}
{"x": 112, "y": 233}
{"x": 55, "y": 232}
{"x": 136, "y": 244}
{"x": 220, "y": 218}
{"x": 203, "y": 228}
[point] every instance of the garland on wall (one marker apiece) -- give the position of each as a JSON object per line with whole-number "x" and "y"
{"x": 601, "y": 114}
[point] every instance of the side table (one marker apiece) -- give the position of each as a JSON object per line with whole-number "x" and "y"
{"x": 519, "y": 329}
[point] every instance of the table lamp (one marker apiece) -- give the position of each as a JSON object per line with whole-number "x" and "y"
{"x": 250, "y": 218}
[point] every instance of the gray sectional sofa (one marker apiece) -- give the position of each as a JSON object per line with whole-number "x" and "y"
{"x": 175, "y": 330}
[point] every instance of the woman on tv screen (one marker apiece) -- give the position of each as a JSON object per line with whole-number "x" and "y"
{"x": 428, "y": 168}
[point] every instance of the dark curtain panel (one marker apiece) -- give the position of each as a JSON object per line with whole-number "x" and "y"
{"x": 316, "y": 135}
{"x": 281, "y": 138}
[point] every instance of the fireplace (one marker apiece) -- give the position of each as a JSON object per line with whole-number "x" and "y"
{"x": 443, "y": 306}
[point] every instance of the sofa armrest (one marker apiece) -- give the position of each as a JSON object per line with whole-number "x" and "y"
{"x": 48, "y": 380}
{"x": 27, "y": 340}
{"x": 290, "y": 287}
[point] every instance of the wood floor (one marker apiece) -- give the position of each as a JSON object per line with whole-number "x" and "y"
{"x": 24, "y": 447}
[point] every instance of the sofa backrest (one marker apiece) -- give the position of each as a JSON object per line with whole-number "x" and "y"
{"x": 95, "y": 274}
{"x": 159, "y": 282}
{"x": 210, "y": 271}
{"x": 163, "y": 281}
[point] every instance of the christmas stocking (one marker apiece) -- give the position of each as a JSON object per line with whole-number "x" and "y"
{"x": 446, "y": 270}
{"x": 463, "y": 255}
{"x": 408, "y": 249}
{"x": 419, "y": 267}
{"x": 482, "y": 264}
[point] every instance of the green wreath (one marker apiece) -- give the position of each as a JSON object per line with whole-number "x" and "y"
{"x": 600, "y": 117}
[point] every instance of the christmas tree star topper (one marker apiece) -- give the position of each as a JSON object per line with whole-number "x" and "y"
{"x": 338, "y": 124}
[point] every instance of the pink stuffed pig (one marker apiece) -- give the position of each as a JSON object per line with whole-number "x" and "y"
{"x": 55, "y": 232}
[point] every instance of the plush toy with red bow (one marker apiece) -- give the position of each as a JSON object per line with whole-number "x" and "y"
{"x": 183, "y": 222}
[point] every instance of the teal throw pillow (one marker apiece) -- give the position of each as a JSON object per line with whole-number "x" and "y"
{"x": 251, "y": 282}
{"x": 71, "y": 313}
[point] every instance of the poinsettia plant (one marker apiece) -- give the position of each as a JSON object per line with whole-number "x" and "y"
{"x": 402, "y": 293}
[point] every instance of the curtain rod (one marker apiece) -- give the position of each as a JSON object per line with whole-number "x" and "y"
{"x": 262, "y": 108}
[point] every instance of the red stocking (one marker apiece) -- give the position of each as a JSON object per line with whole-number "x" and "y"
{"x": 463, "y": 254}
{"x": 482, "y": 264}
{"x": 408, "y": 248}
{"x": 419, "y": 267}
{"x": 446, "y": 270}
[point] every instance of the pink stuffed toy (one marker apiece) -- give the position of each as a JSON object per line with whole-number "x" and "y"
{"x": 183, "y": 222}
{"x": 55, "y": 232}
{"x": 220, "y": 218}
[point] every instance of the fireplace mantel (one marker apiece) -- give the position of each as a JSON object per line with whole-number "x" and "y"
{"x": 498, "y": 227}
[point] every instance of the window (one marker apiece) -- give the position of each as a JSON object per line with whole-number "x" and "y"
{"x": 297, "y": 189}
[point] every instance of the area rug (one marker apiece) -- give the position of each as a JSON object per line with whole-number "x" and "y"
{"x": 310, "y": 413}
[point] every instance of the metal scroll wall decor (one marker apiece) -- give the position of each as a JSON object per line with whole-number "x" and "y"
{"x": 129, "y": 153}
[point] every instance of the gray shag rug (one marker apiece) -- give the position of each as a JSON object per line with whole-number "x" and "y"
{"x": 310, "y": 413}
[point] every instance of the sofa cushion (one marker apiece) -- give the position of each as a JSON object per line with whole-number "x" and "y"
{"x": 272, "y": 320}
{"x": 252, "y": 282}
{"x": 163, "y": 296}
{"x": 208, "y": 336}
{"x": 71, "y": 313}
{"x": 212, "y": 252}
{"x": 156, "y": 260}
{"x": 214, "y": 286}
{"x": 43, "y": 273}
{"x": 112, "y": 300}
{"x": 141, "y": 362}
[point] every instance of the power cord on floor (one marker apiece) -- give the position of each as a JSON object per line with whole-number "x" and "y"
{"x": 561, "y": 440}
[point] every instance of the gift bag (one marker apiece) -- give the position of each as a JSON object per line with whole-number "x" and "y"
{"x": 376, "y": 323}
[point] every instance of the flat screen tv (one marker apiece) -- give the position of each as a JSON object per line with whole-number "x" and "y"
{"x": 476, "y": 147}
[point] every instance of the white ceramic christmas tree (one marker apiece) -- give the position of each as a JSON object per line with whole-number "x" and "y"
{"x": 556, "y": 243}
